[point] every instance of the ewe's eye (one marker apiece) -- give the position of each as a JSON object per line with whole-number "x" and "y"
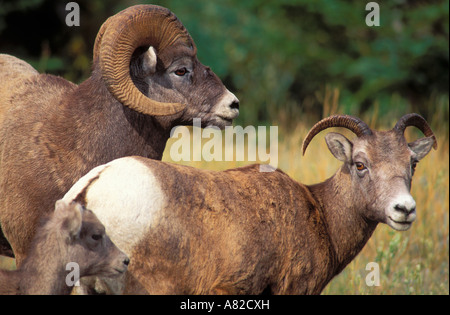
{"x": 360, "y": 166}
{"x": 181, "y": 72}
{"x": 413, "y": 166}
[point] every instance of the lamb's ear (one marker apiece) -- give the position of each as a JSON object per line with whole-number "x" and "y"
{"x": 422, "y": 147}
{"x": 149, "y": 61}
{"x": 339, "y": 146}
{"x": 69, "y": 217}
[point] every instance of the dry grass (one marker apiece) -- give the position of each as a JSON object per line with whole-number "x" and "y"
{"x": 412, "y": 262}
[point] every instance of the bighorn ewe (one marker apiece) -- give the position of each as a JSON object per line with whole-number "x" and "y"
{"x": 243, "y": 231}
{"x": 146, "y": 79}
{"x": 71, "y": 235}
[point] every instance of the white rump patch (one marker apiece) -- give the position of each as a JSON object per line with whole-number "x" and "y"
{"x": 82, "y": 183}
{"x": 125, "y": 197}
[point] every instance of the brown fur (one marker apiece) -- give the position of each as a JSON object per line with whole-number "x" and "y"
{"x": 245, "y": 232}
{"x": 13, "y": 72}
{"x": 58, "y": 144}
{"x": 54, "y": 131}
{"x": 65, "y": 237}
{"x": 236, "y": 232}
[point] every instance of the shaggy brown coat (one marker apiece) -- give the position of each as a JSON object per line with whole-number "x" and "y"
{"x": 243, "y": 231}
{"x": 54, "y": 131}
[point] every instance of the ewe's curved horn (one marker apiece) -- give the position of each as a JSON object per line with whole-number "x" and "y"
{"x": 356, "y": 125}
{"x": 418, "y": 121}
{"x": 118, "y": 38}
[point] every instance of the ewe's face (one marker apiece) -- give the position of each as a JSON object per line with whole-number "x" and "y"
{"x": 175, "y": 75}
{"x": 381, "y": 168}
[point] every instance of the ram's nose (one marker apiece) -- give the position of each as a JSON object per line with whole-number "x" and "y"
{"x": 228, "y": 106}
{"x": 235, "y": 104}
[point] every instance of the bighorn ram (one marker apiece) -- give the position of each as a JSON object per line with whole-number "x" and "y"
{"x": 146, "y": 79}
{"x": 243, "y": 231}
{"x": 74, "y": 235}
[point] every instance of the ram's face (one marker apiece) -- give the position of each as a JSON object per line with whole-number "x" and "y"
{"x": 148, "y": 62}
{"x": 175, "y": 75}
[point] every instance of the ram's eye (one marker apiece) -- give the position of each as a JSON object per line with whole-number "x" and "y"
{"x": 181, "y": 72}
{"x": 97, "y": 237}
{"x": 360, "y": 166}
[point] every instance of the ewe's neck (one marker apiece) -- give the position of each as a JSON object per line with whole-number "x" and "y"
{"x": 43, "y": 271}
{"x": 348, "y": 230}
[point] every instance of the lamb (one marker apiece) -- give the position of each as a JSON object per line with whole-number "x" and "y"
{"x": 146, "y": 79}
{"x": 242, "y": 231}
{"x": 72, "y": 234}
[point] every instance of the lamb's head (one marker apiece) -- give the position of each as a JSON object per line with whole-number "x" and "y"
{"x": 87, "y": 243}
{"x": 380, "y": 165}
{"x": 148, "y": 62}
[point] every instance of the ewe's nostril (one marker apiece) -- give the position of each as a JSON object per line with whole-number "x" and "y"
{"x": 126, "y": 262}
{"x": 234, "y": 105}
{"x": 404, "y": 209}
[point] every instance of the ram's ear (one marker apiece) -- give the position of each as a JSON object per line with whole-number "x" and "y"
{"x": 149, "y": 61}
{"x": 339, "y": 146}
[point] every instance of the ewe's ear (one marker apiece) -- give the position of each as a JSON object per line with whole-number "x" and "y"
{"x": 149, "y": 61}
{"x": 69, "y": 217}
{"x": 339, "y": 146}
{"x": 422, "y": 146}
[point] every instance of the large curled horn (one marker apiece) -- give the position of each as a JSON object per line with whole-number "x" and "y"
{"x": 98, "y": 39}
{"x": 356, "y": 125}
{"x": 418, "y": 121}
{"x": 118, "y": 38}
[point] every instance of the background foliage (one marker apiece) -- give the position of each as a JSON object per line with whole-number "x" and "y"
{"x": 291, "y": 62}
{"x": 278, "y": 56}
